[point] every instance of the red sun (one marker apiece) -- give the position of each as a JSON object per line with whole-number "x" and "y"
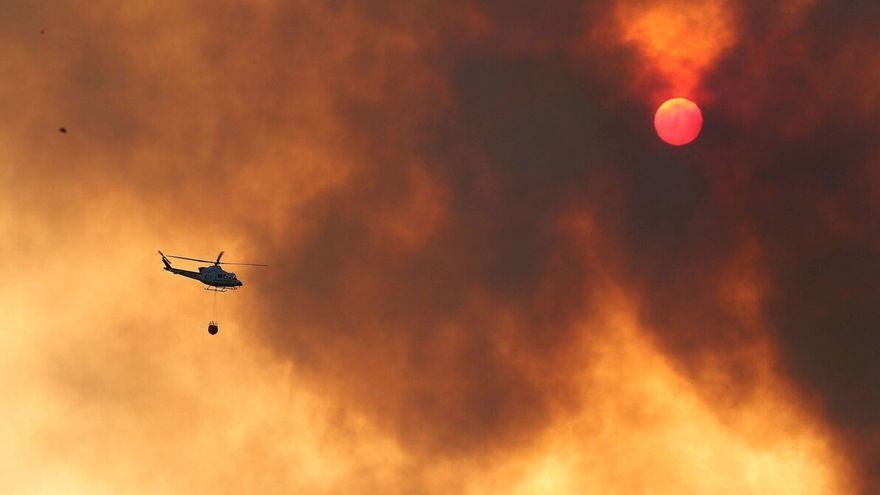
{"x": 678, "y": 121}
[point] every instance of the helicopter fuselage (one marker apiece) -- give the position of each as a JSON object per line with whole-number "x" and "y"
{"x": 213, "y": 276}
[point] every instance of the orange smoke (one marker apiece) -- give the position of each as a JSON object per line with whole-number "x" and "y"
{"x": 644, "y": 427}
{"x": 431, "y": 322}
{"x": 677, "y": 41}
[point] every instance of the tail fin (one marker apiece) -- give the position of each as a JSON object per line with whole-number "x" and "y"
{"x": 165, "y": 260}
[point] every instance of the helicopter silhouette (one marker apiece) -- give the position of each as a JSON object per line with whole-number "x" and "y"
{"x": 214, "y": 276}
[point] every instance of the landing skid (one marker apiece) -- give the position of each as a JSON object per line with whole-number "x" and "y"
{"x": 220, "y": 289}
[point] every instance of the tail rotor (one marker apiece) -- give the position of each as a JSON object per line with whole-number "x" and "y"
{"x": 165, "y": 261}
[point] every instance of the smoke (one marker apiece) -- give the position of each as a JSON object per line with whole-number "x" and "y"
{"x": 488, "y": 275}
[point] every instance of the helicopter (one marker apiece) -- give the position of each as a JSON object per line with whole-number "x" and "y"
{"x": 215, "y": 277}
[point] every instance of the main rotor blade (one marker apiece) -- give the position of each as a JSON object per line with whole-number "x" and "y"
{"x": 185, "y": 258}
{"x": 218, "y": 258}
{"x": 213, "y": 262}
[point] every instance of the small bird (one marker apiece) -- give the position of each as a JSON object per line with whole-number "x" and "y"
{"x": 62, "y": 130}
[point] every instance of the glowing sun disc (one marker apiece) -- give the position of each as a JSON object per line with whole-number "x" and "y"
{"x": 678, "y": 121}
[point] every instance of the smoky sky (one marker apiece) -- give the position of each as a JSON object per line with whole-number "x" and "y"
{"x": 408, "y": 168}
{"x": 525, "y": 135}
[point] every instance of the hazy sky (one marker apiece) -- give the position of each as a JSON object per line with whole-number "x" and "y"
{"x": 489, "y": 276}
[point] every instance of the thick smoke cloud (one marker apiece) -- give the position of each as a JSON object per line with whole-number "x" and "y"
{"x": 487, "y": 272}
